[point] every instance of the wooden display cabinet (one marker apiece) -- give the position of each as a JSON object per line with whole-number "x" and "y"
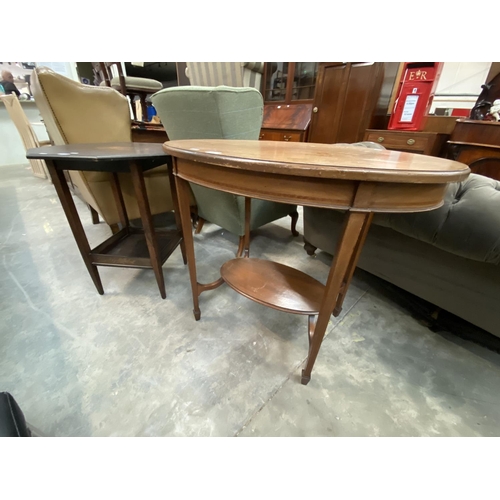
{"x": 288, "y": 90}
{"x": 325, "y": 102}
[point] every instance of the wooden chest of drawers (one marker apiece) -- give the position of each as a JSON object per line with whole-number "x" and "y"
{"x": 427, "y": 143}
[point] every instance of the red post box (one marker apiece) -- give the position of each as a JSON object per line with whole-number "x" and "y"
{"x": 416, "y": 90}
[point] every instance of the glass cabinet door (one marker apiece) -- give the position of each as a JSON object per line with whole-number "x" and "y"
{"x": 275, "y": 81}
{"x": 286, "y": 82}
{"x": 304, "y": 80}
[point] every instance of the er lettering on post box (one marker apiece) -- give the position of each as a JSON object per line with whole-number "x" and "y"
{"x": 416, "y": 90}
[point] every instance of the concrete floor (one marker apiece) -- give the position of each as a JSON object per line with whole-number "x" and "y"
{"x": 131, "y": 364}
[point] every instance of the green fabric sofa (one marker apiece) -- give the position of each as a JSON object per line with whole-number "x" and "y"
{"x": 449, "y": 256}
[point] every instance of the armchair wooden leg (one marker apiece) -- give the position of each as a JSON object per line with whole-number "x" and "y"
{"x": 94, "y": 214}
{"x": 194, "y": 215}
{"x": 295, "y": 218}
{"x": 199, "y": 225}
{"x": 114, "y": 228}
{"x": 241, "y": 247}
{"x": 310, "y": 249}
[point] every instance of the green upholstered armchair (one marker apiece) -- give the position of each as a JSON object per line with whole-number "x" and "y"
{"x": 193, "y": 112}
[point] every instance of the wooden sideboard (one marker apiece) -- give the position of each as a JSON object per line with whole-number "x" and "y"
{"x": 426, "y": 143}
{"x": 477, "y": 144}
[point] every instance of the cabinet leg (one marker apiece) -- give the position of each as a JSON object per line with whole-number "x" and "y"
{"x": 348, "y": 250}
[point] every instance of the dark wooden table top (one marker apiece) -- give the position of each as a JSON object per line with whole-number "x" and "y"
{"x": 330, "y": 161}
{"x": 104, "y": 152}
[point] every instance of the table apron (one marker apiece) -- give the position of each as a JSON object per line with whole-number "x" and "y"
{"x": 314, "y": 191}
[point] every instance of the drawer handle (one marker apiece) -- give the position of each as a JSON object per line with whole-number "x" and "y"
{"x": 315, "y": 109}
{"x": 410, "y": 142}
{"x": 380, "y": 139}
{"x": 261, "y": 136}
{"x": 287, "y": 137}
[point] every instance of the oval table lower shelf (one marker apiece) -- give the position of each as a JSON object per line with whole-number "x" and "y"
{"x": 274, "y": 285}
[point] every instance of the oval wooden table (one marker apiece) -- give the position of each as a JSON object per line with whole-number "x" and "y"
{"x": 359, "y": 180}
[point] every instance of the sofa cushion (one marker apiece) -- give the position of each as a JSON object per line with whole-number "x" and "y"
{"x": 468, "y": 223}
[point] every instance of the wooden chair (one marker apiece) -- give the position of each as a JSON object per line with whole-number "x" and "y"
{"x": 130, "y": 86}
{"x": 28, "y": 136}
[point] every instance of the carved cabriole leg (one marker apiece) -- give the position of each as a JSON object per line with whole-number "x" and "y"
{"x": 354, "y": 228}
{"x": 295, "y": 218}
{"x": 244, "y": 243}
{"x": 241, "y": 246}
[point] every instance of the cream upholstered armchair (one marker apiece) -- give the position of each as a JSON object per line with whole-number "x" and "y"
{"x": 74, "y": 114}
{"x": 232, "y": 74}
{"x": 28, "y": 136}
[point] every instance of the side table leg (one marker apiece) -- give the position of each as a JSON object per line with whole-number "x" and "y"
{"x": 183, "y": 194}
{"x": 356, "y": 225}
{"x": 175, "y": 201}
{"x": 352, "y": 265}
{"x": 147, "y": 222}
{"x": 59, "y": 181}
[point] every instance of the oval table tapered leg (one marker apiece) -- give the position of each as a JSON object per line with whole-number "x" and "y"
{"x": 175, "y": 201}
{"x": 353, "y": 231}
{"x": 352, "y": 265}
{"x": 183, "y": 195}
{"x": 147, "y": 222}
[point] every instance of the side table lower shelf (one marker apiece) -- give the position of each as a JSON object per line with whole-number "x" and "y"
{"x": 128, "y": 248}
{"x": 274, "y": 285}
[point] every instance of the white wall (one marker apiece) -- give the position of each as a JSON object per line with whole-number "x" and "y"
{"x": 460, "y": 84}
{"x": 12, "y": 150}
